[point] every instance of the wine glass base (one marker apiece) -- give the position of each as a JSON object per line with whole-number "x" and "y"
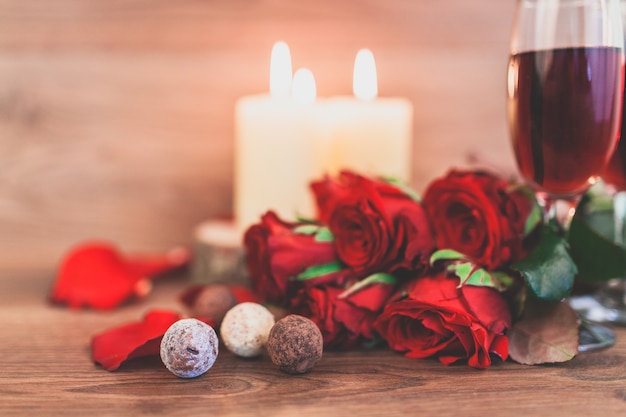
{"x": 592, "y": 335}
{"x": 612, "y": 296}
{"x": 605, "y": 306}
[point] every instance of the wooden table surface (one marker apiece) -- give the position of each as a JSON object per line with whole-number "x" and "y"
{"x": 45, "y": 370}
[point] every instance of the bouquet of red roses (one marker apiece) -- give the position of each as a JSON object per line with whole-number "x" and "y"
{"x": 446, "y": 275}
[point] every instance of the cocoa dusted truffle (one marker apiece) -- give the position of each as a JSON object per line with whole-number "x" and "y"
{"x": 295, "y": 344}
{"x": 189, "y": 348}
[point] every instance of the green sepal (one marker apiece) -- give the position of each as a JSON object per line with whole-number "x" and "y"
{"x": 319, "y": 270}
{"x": 548, "y": 270}
{"x": 377, "y": 278}
{"x": 373, "y": 343}
{"x": 504, "y": 278}
{"x": 402, "y": 186}
{"x": 322, "y": 233}
{"x": 535, "y": 217}
{"x": 446, "y": 255}
{"x": 469, "y": 273}
{"x": 302, "y": 219}
{"x": 306, "y": 229}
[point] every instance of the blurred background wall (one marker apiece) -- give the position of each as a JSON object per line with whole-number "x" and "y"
{"x": 116, "y": 117}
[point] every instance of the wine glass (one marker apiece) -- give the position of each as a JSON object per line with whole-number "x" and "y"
{"x": 565, "y": 85}
{"x": 608, "y": 304}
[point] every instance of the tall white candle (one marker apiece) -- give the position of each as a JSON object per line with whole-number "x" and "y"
{"x": 276, "y": 146}
{"x": 371, "y": 135}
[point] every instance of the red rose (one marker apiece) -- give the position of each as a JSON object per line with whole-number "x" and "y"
{"x": 479, "y": 215}
{"x": 346, "y": 320}
{"x": 276, "y": 253}
{"x": 376, "y": 226}
{"x": 439, "y": 318}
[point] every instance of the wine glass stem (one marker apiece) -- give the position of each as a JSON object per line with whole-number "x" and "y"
{"x": 619, "y": 214}
{"x": 559, "y": 211}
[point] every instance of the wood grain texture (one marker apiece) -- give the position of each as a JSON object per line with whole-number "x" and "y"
{"x": 45, "y": 369}
{"x": 116, "y": 117}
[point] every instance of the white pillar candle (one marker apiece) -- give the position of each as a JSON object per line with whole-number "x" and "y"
{"x": 276, "y": 146}
{"x": 371, "y": 135}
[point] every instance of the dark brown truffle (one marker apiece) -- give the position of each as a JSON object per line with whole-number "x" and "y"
{"x": 214, "y": 301}
{"x": 295, "y": 344}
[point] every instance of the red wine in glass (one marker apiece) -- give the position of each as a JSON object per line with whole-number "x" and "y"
{"x": 564, "y": 125}
{"x": 615, "y": 174}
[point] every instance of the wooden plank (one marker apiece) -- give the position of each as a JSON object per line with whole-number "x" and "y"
{"x": 46, "y": 370}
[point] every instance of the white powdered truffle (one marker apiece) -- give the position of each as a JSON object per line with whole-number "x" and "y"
{"x": 245, "y": 329}
{"x": 189, "y": 348}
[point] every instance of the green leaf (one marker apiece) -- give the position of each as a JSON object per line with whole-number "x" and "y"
{"x": 324, "y": 234}
{"x": 402, "y": 186}
{"x": 548, "y": 333}
{"x": 378, "y": 278}
{"x": 319, "y": 270}
{"x": 549, "y": 270}
{"x": 592, "y": 247}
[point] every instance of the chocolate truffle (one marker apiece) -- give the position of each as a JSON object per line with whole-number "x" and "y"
{"x": 245, "y": 329}
{"x": 213, "y": 301}
{"x": 295, "y": 344}
{"x": 189, "y": 348}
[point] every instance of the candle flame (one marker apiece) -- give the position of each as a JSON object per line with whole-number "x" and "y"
{"x": 280, "y": 70}
{"x": 303, "y": 89}
{"x": 364, "y": 80}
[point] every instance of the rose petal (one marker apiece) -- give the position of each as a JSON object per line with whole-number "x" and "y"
{"x": 488, "y": 307}
{"x": 155, "y": 264}
{"x": 244, "y": 294}
{"x": 372, "y": 297}
{"x": 439, "y": 318}
{"x": 96, "y": 274}
{"x": 276, "y": 253}
{"x": 376, "y": 226}
{"x": 113, "y": 347}
{"x": 480, "y": 215}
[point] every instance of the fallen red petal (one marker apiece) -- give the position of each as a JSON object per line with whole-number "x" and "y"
{"x": 97, "y": 275}
{"x": 115, "y": 346}
{"x": 244, "y": 294}
{"x": 189, "y": 296}
{"x": 154, "y": 264}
